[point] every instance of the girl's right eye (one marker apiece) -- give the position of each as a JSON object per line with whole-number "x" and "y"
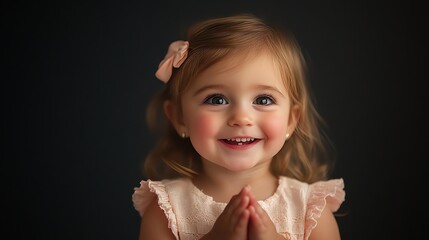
{"x": 216, "y": 100}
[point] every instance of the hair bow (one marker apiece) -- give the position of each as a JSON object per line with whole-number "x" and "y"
{"x": 176, "y": 55}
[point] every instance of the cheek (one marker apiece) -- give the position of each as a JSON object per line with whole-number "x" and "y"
{"x": 203, "y": 125}
{"x": 275, "y": 126}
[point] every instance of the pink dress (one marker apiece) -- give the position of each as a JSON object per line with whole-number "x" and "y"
{"x": 294, "y": 208}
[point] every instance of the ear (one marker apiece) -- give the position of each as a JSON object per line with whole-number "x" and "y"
{"x": 173, "y": 116}
{"x": 294, "y": 115}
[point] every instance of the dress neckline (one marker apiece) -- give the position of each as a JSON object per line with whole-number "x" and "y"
{"x": 209, "y": 199}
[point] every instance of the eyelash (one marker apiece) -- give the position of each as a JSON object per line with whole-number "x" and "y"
{"x": 270, "y": 98}
{"x": 210, "y": 98}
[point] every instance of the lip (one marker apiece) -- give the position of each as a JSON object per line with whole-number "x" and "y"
{"x": 238, "y": 145}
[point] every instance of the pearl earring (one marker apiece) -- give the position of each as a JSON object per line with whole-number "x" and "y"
{"x": 183, "y": 135}
{"x": 287, "y": 135}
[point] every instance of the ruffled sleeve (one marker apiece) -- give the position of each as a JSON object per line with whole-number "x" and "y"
{"x": 146, "y": 193}
{"x": 320, "y": 195}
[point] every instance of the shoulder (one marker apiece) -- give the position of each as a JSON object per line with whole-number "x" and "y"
{"x": 150, "y": 190}
{"x": 328, "y": 193}
{"x": 313, "y": 203}
{"x": 324, "y": 198}
{"x": 293, "y": 189}
{"x": 157, "y": 203}
{"x": 326, "y": 228}
{"x": 314, "y": 193}
{"x": 154, "y": 224}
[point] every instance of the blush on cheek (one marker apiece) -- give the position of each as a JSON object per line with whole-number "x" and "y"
{"x": 275, "y": 127}
{"x": 204, "y": 126}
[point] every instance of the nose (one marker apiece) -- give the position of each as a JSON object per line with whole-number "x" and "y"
{"x": 240, "y": 117}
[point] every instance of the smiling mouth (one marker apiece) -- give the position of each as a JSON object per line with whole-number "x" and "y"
{"x": 240, "y": 141}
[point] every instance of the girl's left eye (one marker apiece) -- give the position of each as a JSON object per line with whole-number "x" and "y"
{"x": 264, "y": 100}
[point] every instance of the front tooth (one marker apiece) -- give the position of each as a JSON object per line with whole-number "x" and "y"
{"x": 241, "y": 139}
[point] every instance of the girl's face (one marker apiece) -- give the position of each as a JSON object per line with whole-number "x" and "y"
{"x": 238, "y": 117}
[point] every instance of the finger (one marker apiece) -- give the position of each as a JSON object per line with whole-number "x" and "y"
{"x": 243, "y": 221}
{"x": 254, "y": 217}
{"x": 239, "y": 228}
{"x": 252, "y": 198}
{"x": 246, "y": 189}
{"x": 261, "y": 212}
{"x": 237, "y": 213}
{"x": 236, "y": 200}
{"x": 255, "y": 208}
{"x": 232, "y": 205}
{"x": 242, "y": 205}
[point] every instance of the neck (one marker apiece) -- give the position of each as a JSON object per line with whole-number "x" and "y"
{"x": 222, "y": 184}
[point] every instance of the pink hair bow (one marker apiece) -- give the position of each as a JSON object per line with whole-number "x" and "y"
{"x": 176, "y": 55}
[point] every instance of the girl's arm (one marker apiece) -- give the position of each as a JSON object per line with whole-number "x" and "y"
{"x": 154, "y": 224}
{"x": 326, "y": 228}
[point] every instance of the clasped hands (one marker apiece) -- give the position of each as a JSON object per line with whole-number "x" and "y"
{"x": 243, "y": 219}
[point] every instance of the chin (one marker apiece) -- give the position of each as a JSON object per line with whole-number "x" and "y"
{"x": 239, "y": 167}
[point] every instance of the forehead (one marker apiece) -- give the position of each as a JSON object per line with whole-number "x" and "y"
{"x": 248, "y": 67}
{"x": 240, "y": 58}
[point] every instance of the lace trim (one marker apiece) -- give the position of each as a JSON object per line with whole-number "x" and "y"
{"x": 142, "y": 198}
{"x": 329, "y": 193}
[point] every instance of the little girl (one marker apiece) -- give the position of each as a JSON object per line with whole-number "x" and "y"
{"x": 240, "y": 155}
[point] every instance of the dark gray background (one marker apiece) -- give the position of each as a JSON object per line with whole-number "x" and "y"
{"x": 77, "y": 76}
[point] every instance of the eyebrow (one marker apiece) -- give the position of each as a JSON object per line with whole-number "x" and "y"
{"x": 257, "y": 87}
{"x": 208, "y": 87}
{"x": 269, "y": 88}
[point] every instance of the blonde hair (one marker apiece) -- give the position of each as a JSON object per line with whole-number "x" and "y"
{"x": 304, "y": 156}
